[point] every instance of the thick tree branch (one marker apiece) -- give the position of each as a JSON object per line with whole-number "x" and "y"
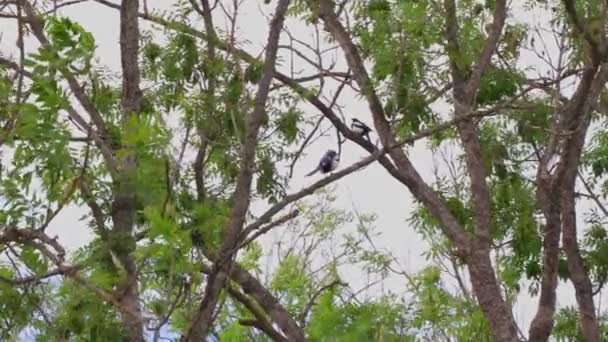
{"x": 556, "y": 193}
{"x": 202, "y": 321}
{"x": 13, "y": 234}
{"x": 124, "y": 190}
{"x": 407, "y": 173}
{"x": 483, "y": 277}
{"x": 269, "y": 303}
{"x": 565, "y": 182}
{"x": 260, "y": 322}
{"x": 542, "y": 324}
{"x": 453, "y": 46}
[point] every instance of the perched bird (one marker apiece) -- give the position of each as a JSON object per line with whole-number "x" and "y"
{"x": 327, "y": 164}
{"x": 361, "y": 129}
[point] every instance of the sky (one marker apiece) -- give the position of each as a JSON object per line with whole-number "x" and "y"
{"x": 371, "y": 190}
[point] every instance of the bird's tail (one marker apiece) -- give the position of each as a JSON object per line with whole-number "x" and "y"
{"x": 313, "y": 172}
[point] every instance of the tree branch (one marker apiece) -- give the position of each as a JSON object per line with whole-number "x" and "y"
{"x": 37, "y": 278}
{"x": 406, "y": 171}
{"x": 263, "y": 230}
{"x": 271, "y": 305}
{"x": 597, "y": 51}
{"x": 556, "y": 193}
{"x": 260, "y": 321}
{"x": 124, "y": 189}
{"x": 483, "y": 278}
{"x": 37, "y": 26}
{"x": 500, "y": 14}
{"x": 565, "y": 182}
{"x": 202, "y": 321}
{"x": 316, "y": 295}
{"x": 199, "y": 172}
{"x": 32, "y": 236}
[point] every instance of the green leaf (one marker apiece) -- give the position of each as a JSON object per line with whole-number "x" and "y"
{"x": 288, "y": 124}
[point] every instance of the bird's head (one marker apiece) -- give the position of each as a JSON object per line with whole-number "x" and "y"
{"x": 332, "y": 153}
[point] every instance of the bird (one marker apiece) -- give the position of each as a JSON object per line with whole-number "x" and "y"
{"x": 328, "y": 163}
{"x": 360, "y": 128}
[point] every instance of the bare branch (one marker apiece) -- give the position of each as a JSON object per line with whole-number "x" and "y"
{"x": 35, "y": 279}
{"x": 313, "y": 298}
{"x": 592, "y": 195}
{"x": 267, "y": 216}
{"x": 263, "y": 230}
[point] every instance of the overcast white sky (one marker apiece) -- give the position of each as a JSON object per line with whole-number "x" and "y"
{"x": 370, "y": 190}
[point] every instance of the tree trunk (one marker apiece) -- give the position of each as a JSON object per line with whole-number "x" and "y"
{"x": 486, "y": 289}
{"x": 123, "y": 206}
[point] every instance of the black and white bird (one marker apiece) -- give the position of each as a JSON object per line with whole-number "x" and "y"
{"x": 327, "y": 164}
{"x": 360, "y": 128}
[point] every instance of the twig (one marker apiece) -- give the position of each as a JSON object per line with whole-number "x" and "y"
{"x": 313, "y": 298}
{"x": 265, "y": 229}
{"x": 592, "y": 195}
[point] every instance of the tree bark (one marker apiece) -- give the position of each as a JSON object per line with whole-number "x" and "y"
{"x": 488, "y": 294}
{"x": 123, "y": 206}
{"x": 577, "y": 119}
{"x": 556, "y": 195}
{"x": 574, "y": 122}
{"x": 542, "y": 324}
{"x": 270, "y": 303}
